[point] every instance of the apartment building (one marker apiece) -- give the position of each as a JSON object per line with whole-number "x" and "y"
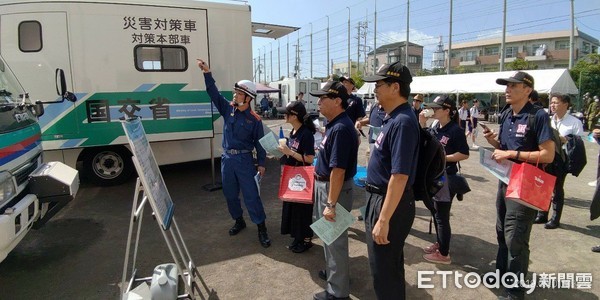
{"x": 546, "y": 50}
{"x": 394, "y": 52}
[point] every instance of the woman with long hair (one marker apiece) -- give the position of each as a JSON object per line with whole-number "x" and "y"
{"x": 299, "y": 151}
{"x": 452, "y": 137}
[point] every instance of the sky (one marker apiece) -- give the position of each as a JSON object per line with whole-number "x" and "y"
{"x": 428, "y": 21}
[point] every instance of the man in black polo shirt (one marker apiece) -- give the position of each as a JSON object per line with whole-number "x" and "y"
{"x": 520, "y": 144}
{"x": 390, "y": 175}
{"x": 355, "y": 109}
{"x": 336, "y": 166}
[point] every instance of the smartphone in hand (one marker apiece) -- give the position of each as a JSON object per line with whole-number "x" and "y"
{"x": 485, "y": 128}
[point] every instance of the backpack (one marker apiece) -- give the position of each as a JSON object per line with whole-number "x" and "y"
{"x": 558, "y": 165}
{"x": 431, "y": 167}
{"x": 576, "y": 157}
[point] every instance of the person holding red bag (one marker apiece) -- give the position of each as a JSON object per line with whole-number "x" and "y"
{"x": 514, "y": 220}
{"x": 297, "y": 217}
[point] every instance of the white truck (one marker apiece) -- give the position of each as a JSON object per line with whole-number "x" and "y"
{"x": 127, "y": 58}
{"x": 31, "y": 191}
{"x": 290, "y": 88}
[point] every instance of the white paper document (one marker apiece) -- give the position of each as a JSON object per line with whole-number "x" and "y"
{"x": 500, "y": 170}
{"x": 269, "y": 142}
{"x": 330, "y": 231}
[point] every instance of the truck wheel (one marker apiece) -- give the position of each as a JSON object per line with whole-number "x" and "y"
{"x": 107, "y": 165}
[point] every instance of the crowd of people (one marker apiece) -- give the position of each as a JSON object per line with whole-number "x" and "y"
{"x": 394, "y": 139}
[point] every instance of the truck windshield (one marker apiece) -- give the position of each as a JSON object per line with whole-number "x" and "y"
{"x": 13, "y": 115}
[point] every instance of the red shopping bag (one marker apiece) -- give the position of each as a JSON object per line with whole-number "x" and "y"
{"x": 530, "y": 186}
{"x": 297, "y": 184}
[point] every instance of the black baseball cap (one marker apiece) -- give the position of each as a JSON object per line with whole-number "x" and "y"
{"x": 442, "y": 101}
{"x": 296, "y": 108}
{"x": 342, "y": 79}
{"x": 395, "y": 71}
{"x": 517, "y": 77}
{"x": 332, "y": 89}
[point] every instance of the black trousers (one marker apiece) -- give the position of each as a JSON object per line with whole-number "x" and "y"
{"x": 387, "y": 261}
{"x": 442, "y": 225}
{"x": 558, "y": 198}
{"x": 513, "y": 229}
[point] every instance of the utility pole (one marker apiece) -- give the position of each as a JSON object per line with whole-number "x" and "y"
{"x": 502, "y": 45}
{"x": 375, "y": 62}
{"x": 407, "y": 32}
{"x": 278, "y": 59}
{"x": 360, "y": 37}
{"x": 288, "y": 56}
{"x": 327, "y": 61}
{"x": 450, "y": 40}
{"x": 349, "y": 66}
{"x": 572, "y": 37}
{"x": 311, "y": 52}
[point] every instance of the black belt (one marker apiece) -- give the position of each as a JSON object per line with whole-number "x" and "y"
{"x": 373, "y": 189}
{"x": 235, "y": 152}
{"x": 321, "y": 178}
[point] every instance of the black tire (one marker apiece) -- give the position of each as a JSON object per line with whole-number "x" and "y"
{"x": 106, "y": 166}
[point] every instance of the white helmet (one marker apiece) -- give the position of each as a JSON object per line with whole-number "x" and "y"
{"x": 247, "y": 87}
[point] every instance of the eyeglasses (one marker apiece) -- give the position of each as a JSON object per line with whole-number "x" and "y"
{"x": 380, "y": 85}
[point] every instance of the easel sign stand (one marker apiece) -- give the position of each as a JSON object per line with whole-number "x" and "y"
{"x": 150, "y": 188}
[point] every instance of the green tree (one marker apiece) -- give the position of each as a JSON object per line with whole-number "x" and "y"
{"x": 358, "y": 79}
{"x": 586, "y": 74}
{"x": 521, "y": 64}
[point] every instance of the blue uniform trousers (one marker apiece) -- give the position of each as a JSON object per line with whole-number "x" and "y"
{"x": 238, "y": 172}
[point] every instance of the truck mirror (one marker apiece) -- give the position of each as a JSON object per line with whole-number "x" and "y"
{"x": 39, "y": 108}
{"x": 61, "y": 82}
{"x": 61, "y": 86}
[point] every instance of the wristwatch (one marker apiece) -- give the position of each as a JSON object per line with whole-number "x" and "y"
{"x": 329, "y": 205}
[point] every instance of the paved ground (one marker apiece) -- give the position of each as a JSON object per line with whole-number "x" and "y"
{"x": 79, "y": 254}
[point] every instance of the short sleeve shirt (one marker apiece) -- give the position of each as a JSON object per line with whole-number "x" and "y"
{"x": 355, "y": 109}
{"x": 514, "y": 131}
{"x": 376, "y": 117}
{"x": 454, "y": 140}
{"x": 396, "y": 148}
{"x": 301, "y": 141}
{"x": 339, "y": 147}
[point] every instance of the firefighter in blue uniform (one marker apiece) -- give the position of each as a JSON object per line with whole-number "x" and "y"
{"x": 241, "y": 131}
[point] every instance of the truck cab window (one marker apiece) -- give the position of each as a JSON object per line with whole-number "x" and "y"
{"x": 30, "y": 36}
{"x": 160, "y": 58}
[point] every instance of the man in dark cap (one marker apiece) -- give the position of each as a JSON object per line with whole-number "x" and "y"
{"x": 519, "y": 144}
{"x": 534, "y": 98}
{"x": 356, "y": 109}
{"x": 334, "y": 173}
{"x": 390, "y": 175}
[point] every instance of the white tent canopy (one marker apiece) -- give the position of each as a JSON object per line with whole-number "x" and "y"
{"x": 546, "y": 81}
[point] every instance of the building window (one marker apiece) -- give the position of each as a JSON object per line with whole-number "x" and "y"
{"x": 561, "y": 45}
{"x": 413, "y": 59}
{"x": 586, "y": 47}
{"x": 160, "y": 58}
{"x": 30, "y": 36}
{"x": 511, "y": 52}
{"x": 314, "y": 86}
{"x": 470, "y": 55}
{"x": 492, "y": 50}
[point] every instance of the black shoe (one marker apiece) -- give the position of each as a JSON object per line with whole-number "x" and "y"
{"x": 293, "y": 244}
{"x": 324, "y": 295}
{"x": 459, "y": 197}
{"x": 552, "y": 224}
{"x": 238, "y": 226}
{"x": 323, "y": 274}
{"x": 596, "y": 249}
{"x": 540, "y": 219}
{"x": 263, "y": 236}
{"x": 301, "y": 247}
